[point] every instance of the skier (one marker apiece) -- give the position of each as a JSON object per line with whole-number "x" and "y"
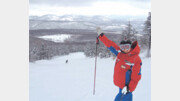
{"x": 66, "y": 61}
{"x": 127, "y": 70}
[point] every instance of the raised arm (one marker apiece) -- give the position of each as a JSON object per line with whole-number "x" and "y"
{"x": 112, "y": 46}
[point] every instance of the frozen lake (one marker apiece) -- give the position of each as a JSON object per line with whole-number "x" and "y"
{"x": 56, "y": 38}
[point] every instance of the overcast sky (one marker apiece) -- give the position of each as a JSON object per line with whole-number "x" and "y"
{"x": 89, "y": 7}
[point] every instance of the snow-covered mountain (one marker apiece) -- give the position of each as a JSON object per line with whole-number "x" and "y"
{"x": 82, "y": 22}
{"x": 51, "y": 17}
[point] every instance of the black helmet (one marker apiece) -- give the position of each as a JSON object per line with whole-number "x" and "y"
{"x": 125, "y": 42}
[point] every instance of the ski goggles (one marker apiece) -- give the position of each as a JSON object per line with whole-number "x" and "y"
{"x": 125, "y": 46}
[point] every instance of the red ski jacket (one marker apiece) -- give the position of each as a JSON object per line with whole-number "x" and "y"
{"x": 125, "y": 62}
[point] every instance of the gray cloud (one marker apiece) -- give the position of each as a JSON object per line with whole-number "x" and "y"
{"x": 63, "y": 2}
{"x": 75, "y": 3}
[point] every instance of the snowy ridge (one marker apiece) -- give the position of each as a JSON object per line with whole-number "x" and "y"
{"x": 50, "y": 21}
{"x": 54, "y": 80}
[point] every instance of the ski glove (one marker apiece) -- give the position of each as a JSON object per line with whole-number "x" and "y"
{"x": 125, "y": 90}
{"x": 98, "y": 29}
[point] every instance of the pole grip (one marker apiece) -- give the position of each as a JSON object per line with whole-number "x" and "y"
{"x": 97, "y": 40}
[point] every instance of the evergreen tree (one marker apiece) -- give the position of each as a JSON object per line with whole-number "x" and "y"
{"x": 129, "y": 32}
{"x": 147, "y": 30}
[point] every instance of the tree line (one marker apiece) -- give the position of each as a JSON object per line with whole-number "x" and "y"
{"x": 40, "y": 49}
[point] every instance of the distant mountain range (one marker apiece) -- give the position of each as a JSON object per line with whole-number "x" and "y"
{"x": 84, "y": 22}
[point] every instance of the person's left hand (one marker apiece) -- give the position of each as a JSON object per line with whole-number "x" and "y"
{"x": 125, "y": 90}
{"x": 98, "y": 29}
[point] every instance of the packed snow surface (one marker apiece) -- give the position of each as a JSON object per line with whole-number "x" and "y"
{"x": 56, "y": 38}
{"x": 55, "y": 80}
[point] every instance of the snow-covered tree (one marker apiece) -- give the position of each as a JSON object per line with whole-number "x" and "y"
{"x": 129, "y": 32}
{"x": 147, "y": 30}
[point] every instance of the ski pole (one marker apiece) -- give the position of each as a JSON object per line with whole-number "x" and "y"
{"x": 97, "y": 42}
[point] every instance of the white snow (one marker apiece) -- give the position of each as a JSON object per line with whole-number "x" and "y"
{"x": 56, "y": 38}
{"x": 54, "y": 17}
{"x": 124, "y": 26}
{"x": 138, "y": 34}
{"x": 67, "y": 18}
{"x": 54, "y": 80}
{"x": 111, "y": 27}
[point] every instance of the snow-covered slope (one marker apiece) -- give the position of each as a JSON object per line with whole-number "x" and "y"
{"x": 55, "y": 80}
